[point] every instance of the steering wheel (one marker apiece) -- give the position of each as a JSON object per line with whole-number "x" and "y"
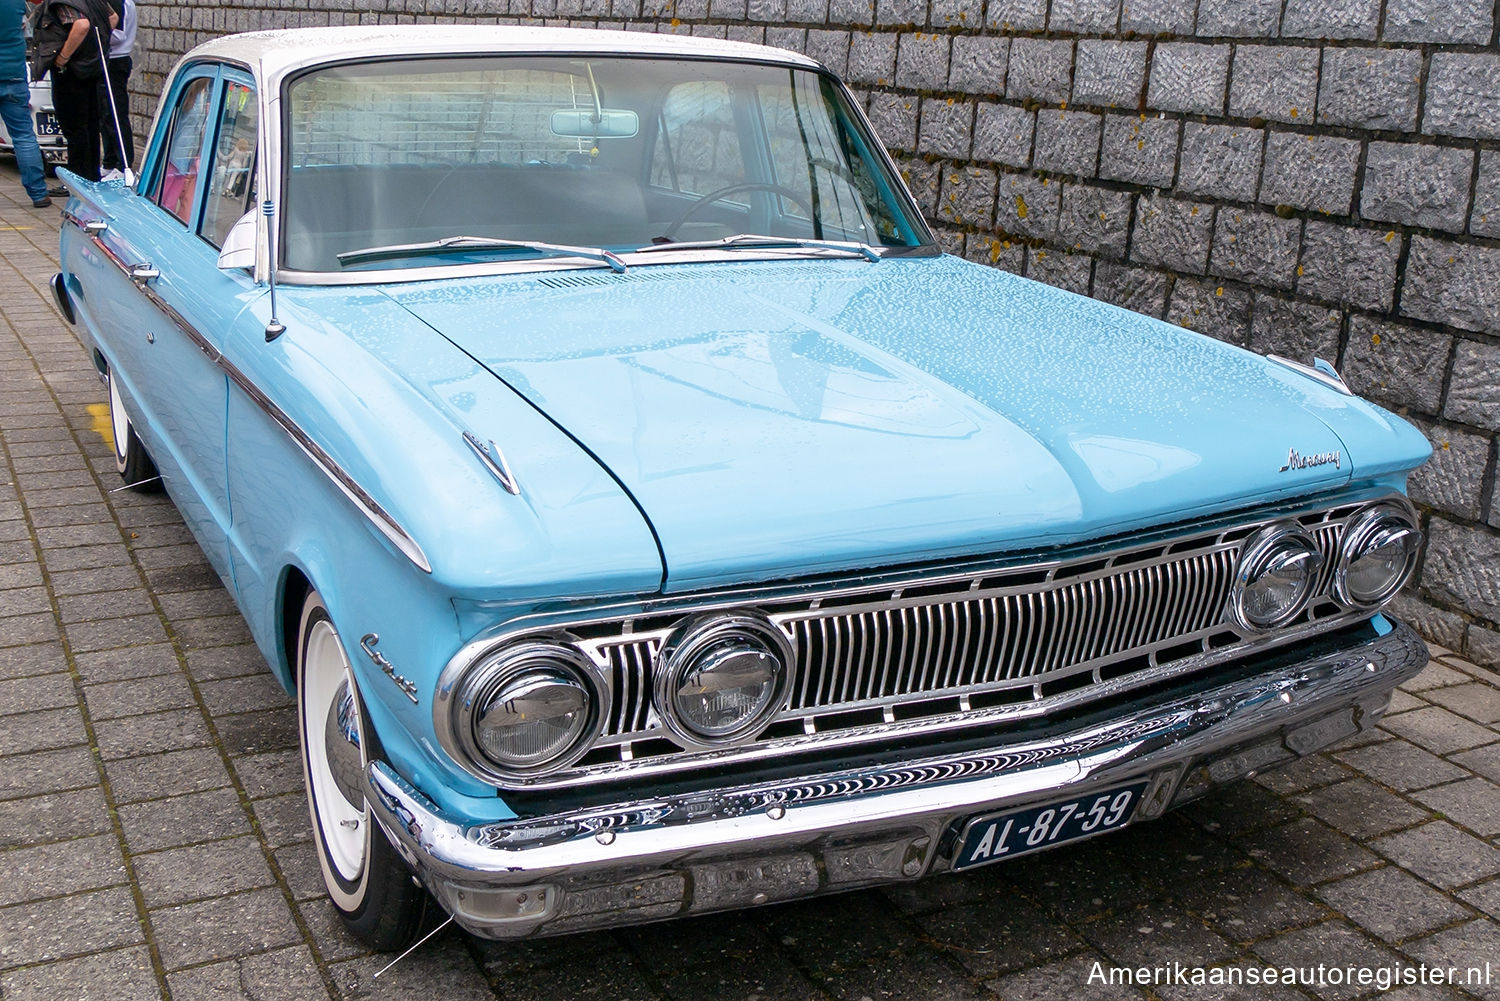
{"x": 733, "y": 189}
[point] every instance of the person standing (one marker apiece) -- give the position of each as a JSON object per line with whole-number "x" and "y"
{"x": 121, "y": 43}
{"x": 15, "y": 102}
{"x": 76, "y": 75}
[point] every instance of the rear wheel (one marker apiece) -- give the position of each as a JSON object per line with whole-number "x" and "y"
{"x": 132, "y": 461}
{"x": 369, "y": 885}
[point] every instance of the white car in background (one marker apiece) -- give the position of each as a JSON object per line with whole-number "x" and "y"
{"x": 44, "y": 120}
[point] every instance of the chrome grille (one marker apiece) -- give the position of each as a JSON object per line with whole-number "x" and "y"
{"x": 967, "y": 647}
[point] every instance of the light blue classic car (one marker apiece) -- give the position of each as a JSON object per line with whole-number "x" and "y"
{"x": 650, "y": 520}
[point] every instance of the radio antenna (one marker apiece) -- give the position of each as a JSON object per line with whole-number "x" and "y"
{"x": 274, "y": 327}
{"x": 114, "y": 110}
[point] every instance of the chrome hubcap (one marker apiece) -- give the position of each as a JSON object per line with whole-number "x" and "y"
{"x": 335, "y": 760}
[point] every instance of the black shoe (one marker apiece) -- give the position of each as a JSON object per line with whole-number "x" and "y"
{"x": 58, "y": 191}
{"x": 42, "y": 202}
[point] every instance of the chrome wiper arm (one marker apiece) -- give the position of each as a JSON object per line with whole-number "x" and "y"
{"x": 479, "y": 243}
{"x": 754, "y": 240}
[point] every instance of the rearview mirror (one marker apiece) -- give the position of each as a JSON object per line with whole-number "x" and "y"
{"x": 607, "y": 123}
{"x": 239, "y": 246}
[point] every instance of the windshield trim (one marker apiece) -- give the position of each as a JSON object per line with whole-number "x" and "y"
{"x": 925, "y": 247}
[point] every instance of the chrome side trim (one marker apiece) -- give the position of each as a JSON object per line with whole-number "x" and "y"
{"x": 367, "y": 505}
{"x": 494, "y": 461}
{"x": 594, "y": 863}
{"x": 1319, "y": 371}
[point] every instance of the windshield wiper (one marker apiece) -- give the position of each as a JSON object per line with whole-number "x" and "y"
{"x": 755, "y": 241}
{"x": 457, "y": 243}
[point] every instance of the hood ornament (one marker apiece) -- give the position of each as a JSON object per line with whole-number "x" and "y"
{"x": 1296, "y": 460}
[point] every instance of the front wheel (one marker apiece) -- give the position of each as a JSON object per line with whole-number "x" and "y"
{"x": 132, "y": 461}
{"x": 369, "y": 885}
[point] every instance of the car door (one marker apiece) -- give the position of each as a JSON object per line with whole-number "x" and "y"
{"x": 169, "y": 306}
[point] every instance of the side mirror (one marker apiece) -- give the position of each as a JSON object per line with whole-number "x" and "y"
{"x": 239, "y": 246}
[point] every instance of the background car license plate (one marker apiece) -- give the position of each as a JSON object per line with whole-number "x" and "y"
{"x": 46, "y": 124}
{"x": 1006, "y": 835}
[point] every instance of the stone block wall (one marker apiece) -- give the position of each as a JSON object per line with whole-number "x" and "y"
{"x": 1309, "y": 177}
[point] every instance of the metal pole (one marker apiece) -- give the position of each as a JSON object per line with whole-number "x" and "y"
{"x": 114, "y": 111}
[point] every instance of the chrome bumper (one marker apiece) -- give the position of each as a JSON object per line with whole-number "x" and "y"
{"x": 749, "y": 845}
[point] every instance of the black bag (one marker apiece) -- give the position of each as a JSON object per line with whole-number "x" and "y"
{"x": 49, "y": 34}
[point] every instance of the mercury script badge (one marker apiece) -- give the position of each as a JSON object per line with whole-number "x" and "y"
{"x": 1296, "y": 460}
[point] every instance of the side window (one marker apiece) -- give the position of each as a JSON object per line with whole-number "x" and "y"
{"x": 177, "y": 184}
{"x": 697, "y": 148}
{"x": 230, "y": 179}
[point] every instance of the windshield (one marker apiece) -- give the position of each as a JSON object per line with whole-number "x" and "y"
{"x": 609, "y": 153}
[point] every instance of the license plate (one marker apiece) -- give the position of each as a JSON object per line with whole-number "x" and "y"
{"x": 46, "y": 124}
{"x": 997, "y": 836}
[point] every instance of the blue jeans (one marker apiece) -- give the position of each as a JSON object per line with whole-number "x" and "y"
{"x": 15, "y": 109}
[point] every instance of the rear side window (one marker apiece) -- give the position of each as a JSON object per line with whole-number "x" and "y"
{"x": 231, "y": 187}
{"x": 177, "y": 184}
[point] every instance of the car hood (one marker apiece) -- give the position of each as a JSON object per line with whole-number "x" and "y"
{"x": 781, "y": 418}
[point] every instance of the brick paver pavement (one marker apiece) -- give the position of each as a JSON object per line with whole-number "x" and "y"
{"x": 154, "y": 841}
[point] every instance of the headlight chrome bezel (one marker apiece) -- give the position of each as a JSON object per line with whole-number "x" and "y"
{"x": 479, "y": 686}
{"x": 696, "y": 638}
{"x": 1388, "y": 520}
{"x": 1275, "y": 546}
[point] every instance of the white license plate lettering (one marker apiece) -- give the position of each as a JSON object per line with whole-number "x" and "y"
{"x": 991, "y": 838}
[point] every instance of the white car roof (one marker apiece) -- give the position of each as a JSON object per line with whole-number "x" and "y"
{"x": 273, "y": 54}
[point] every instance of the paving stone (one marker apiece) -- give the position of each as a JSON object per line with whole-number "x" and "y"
{"x": 1139, "y": 150}
{"x": 1485, "y": 897}
{"x": 1245, "y": 903}
{"x": 1348, "y": 266}
{"x": 170, "y": 773}
{"x": 1028, "y": 206}
{"x": 978, "y": 64}
{"x": 1441, "y": 854}
{"x": 332, "y": 940}
{"x": 1257, "y": 247}
{"x": 1306, "y": 852}
{"x": 1462, "y": 949}
{"x": 137, "y": 696}
{"x": 1173, "y": 233}
{"x": 283, "y": 975}
{"x": 298, "y": 864}
{"x": 36, "y": 693}
{"x": 1221, "y": 161}
{"x": 1401, "y": 766}
{"x": 1310, "y": 172}
{"x": 1453, "y": 479}
{"x": 1039, "y": 69}
{"x": 108, "y": 634}
{"x": 1140, "y": 289}
{"x": 1003, "y": 134}
{"x": 1210, "y": 308}
{"x": 1473, "y": 803}
{"x": 197, "y": 872}
{"x": 1473, "y": 394}
{"x": 1465, "y": 21}
{"x": 1297, "y": 330}
{"x": 1073, "y": 272}
{"x": 151, "y": 733}
{"x": 225, "y": 662}
{"x": 1463, "y": 95}
{"x": 1109, "y": 73}
{"x": 183, "y": 820}
{"x": 1438, "y": 730}
{"x": 1279, "y": 83}
{"x": 1188, "y": 77}
{"x": 1156, "y": 935}
{"x": 121, "y": 975}
{"x": 1242, "y": 18}
{"x": 1094, "y": 218}
{"x": 1303, "y": 774}
{"x": 1391, "y": 362}
{"x": 64, "y": 867}
{"x": 1001, "y": 933}
{"x": 1483, "y": 760}
{"x": 52, "y": 817}
{"x": 1359, "y": 808}
{"x": 1367, "y": 900}
{"x": 1477, "y": 701}
{"x": 1017, "y": 15}
{"x": 283, "y": 819}
{"x": 189, "y": 934}
{"x": 922, "y": 61}
{"x": 1485, "y": 220}
{"x": 1152, "y": 17}
{"x": 1417, "y": 185}
{"x": 1327, "y": 943}
{"x": 443, "y": 969}
{"x": 1067, "y": 142}
{"x": 46, "y": 771}
{"x": 85, "y": 923}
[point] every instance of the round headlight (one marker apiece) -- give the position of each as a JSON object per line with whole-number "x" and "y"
{"x": 1380, "y": 550}
{"x": 722, "y": 679}
{"x": 1278, "y": 567}
{"x": 530, "y": 710}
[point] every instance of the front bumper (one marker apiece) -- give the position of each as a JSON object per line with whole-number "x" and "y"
{"x": 754, "y": 844}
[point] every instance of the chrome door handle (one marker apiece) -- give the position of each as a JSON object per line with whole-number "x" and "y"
{"x": 95, "y": 226}
{"x": 143, "y": 273}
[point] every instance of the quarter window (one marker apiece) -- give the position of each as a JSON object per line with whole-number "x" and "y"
{"x": 177, "y": 188}
{"x": 230, "y": 181}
